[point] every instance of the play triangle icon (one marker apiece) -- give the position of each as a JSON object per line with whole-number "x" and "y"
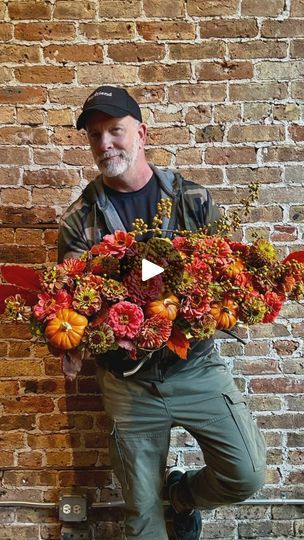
{"x": 149, "y": 270}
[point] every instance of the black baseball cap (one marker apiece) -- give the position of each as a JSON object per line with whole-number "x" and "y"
{"x": 110, "y": 100}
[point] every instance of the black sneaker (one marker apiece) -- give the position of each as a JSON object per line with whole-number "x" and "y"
{"x": 186, "y": 525}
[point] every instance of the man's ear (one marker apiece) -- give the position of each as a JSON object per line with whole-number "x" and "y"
{"x": 142, "y": 132}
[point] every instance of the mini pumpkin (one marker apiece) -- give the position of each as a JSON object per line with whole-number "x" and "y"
{"x": 234, "y": 268}
{"x": 167, "y": 306}
{"x": 66, "y": 329}
{"x": 225, "y": 313}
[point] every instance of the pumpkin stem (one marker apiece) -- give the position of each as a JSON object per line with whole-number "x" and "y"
{"x": 66, "y": 327}
{"x": 168, "y": 302}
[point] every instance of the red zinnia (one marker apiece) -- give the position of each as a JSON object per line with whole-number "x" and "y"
{"x": 48, "y": 305}
{"x": 114, "y": 244}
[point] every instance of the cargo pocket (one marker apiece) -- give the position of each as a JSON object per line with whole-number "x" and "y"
{"x": 116, "y": 456}
{"x": 252, "y": 437}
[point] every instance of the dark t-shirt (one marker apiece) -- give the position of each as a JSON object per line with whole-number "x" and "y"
{"x": 136, "y": 204}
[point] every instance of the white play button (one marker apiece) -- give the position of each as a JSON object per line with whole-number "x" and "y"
{"x": 149, "y": 270}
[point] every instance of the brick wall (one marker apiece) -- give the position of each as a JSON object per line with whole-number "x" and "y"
{"x": 221, "y": 85}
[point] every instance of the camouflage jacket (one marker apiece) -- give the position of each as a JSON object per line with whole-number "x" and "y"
{"x": 92, "y": 215}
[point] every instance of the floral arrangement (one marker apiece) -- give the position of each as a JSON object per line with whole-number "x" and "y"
{"x": 99, "y": 302}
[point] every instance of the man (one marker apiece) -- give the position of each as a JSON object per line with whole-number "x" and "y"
{"x": 199, "y": 393}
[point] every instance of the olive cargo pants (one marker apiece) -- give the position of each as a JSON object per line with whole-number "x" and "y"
{"x": 201, "y": 397}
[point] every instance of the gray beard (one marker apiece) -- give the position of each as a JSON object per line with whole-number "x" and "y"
{"x": 122, "y": 162}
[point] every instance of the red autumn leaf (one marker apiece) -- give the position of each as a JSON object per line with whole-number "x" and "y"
{"x": 178, "y": 343}
{"x": 29, "y": 297}
{"x": 27, "y": 278}
{"x": 295, "y": 256}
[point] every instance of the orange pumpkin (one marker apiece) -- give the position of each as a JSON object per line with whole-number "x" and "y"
{"x": 225, "y": 313}
{"x": 166, "y": 306}
{"x": 234, "y": 268}
{"x": 66, "y": 329}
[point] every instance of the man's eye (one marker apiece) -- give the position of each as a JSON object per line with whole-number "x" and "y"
{"x": 116, "y": 130}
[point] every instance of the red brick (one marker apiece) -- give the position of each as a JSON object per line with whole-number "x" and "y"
{"x": 276, "y": 385}
{"x": 210, "y": 133}
{"x": 79, "y": 403}
{"x": 258, "y": 91}
{"x": 285, "y": 348}
{"x": 258, "y": 49}
{"x": 12, "y": 422}
{"x": 159, "y": 156}
{"x": 109, "y": 74}
{"x": 22, "y": 216}
{"x": 19, "y": 53}
{"x": 54, "y": 440}
{"x": 30, "y": 460}
{"x": 197, "y": 93}
{"x": 36, "y": 31}
{"x": 31, "y": 117}
{"x": 136, "y": 52}
{"x": 30, "y": 478}
{"x": 6, "y": 31}
{"x": 11, "y": 440}
{"x": 76, "y": 156}
{"x": 169, "y": 135}
{"x": 283, "y": 153}
{"x": 51, "y": 196}
{"x": 46, "y": 157}
{"x": 206, "y": 49}
{"x": 22, "y": 255}
{"x": 256, "y": 367}
{"x": 297, "y": 132}
{"x": 84, "y": 478}
{"x": 229, "y": 28}
{"x": 44, "y": 74}
{"x": 14, "y": 155}
{"x": 16, "y": 135}
{"x": 162, "y": 72}
{"x": 228, "y": 155}
{"x": 258, "y": 8}
{"x": 23, "y": 95}
{"x": 76, "y": 9}
{"x": 51, "y": 177}
{"x": 284, "y": 233}
{"x": 32, "y": 237}
{"x": 255, "y": 133}
{"x": 282, "y": 421}
{"x": 21, "y": 9}
{"x": 212, "y": 8}
{"x": 16, "y": 195}
{"x": 262, "y": 175}
{"x": 165, "y": 30}
{"x": 68, "y": 136}
{"x": 297, "y": 8}
{"x": 224, "y": 71}
{"x": 163, "y": 8}
{"x": 74, "y": 53}
{"x": 108, "y": 30}
{"x": 285, "y": 28}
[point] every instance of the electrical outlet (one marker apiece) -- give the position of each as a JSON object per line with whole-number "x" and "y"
{"x": 75, "y": 534}
{"x": 73, "y": 508}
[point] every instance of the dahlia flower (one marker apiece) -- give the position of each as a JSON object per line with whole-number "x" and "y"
{"x": 125, "y": 319}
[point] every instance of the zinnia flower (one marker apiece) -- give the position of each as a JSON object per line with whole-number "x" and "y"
{"x": 195, "y": 306}
{"x": 99, "y": 339}
{"x": 140, "y": 291}
{"x": 154, "y": 332}
{"x": 125, "y": 319}
{"x": 72, "y": 267}
{"x": 116, "y": 244}
{"x": 48, "y": 305}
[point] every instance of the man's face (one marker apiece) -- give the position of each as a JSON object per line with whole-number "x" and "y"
{"x": 115, "y": 142}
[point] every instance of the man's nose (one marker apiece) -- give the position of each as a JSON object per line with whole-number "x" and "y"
{"x": 105, "y": 142}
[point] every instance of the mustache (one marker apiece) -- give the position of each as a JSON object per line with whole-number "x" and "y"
{"x": 110, "y": 154}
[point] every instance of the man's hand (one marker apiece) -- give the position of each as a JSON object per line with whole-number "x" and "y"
{"x": 72, "y": 362}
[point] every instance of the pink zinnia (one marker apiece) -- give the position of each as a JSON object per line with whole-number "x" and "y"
{"x": 48, "y": 305}
{"x": 125, "y": 319}
{"x": 116, "y": 244}
{"x": 140, "y": 291}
